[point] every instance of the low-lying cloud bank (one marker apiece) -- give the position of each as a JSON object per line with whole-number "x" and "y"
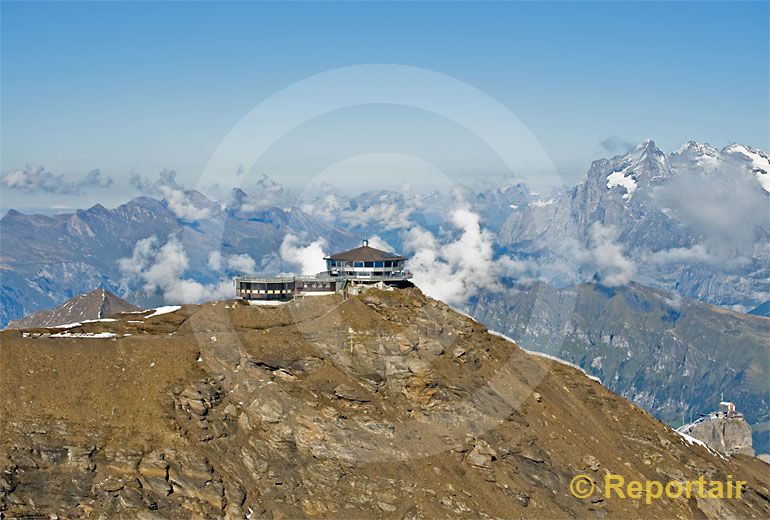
{"x": 34, "y": 178}
{"x": 309, "y": 257}
{"x": 457, "y": 270}
{"x": 177, "y": 198}
{"x": 160, "y": 268}
{"x": 723, "y": 209}
{"x": 606, "y": 258}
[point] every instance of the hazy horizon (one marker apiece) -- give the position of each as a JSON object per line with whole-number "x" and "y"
{"x": 134, "y": 88}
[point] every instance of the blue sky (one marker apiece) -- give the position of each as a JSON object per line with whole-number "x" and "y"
{"x": 144, "y": 86}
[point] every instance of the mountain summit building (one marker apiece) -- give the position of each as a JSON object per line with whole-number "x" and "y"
{"x": 362, "y": 265}
{"x": 365, "y": 264}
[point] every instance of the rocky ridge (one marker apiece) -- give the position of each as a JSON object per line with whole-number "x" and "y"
{"x": 387, "y": 405}
{"x": 96, "y": 305}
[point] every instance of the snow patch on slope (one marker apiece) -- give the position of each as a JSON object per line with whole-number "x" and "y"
{"x": 757, "y": 160}
{"x": 692, "y": 440}
{"x": 620, "y": 179}
{"x": 85, "y": 335}
{"x": 164, "y": 310}
{"x": 546, "y": 356}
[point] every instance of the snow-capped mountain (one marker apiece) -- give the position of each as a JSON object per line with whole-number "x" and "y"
{"x": 694, "y": 221}
{"x": 756, "y": 160}
{"x": 694, "y": 157}
{"x": 644, "y": 166}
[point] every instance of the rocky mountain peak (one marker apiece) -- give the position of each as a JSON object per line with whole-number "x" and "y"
{"x": 199, "y": 199}
{"x": 238, "y": 194}
{"x": 623, "y": 174}
{"x": 95, "y": 305}
{"x": 236, "y": 200}
{"x": 728, "y": 434}
{"x": 11, "y": 214}
{"x": 646, "y": 146}
{"x": 754, "y": 159}
{"x": 693, "y": 147}
{"x": 694, "y": 157}
{"x": 646, "y": 156}
{"x": 98, "y": 208}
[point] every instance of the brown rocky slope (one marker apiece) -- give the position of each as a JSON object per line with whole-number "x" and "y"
{"x": 386, "y": 405}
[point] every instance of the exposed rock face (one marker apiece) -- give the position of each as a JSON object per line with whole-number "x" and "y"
{"x": 725, "y": 434}
{"x": 385, "y": 405}
{"x": 95, "y": 305}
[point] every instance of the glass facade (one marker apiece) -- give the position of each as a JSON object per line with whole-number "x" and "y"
{"x": 282, "y": 289}
{"x": 364, "y": 269}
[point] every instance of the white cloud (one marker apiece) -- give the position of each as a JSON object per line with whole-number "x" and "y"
{"x": 190, "y": 291}
{"x": 684, "y": 255}
{"x": 35, "y": 178}
{"x": 309, "y": 258}
{"x": 723, "y": 209}
{"x": 241, "y": 264}
{"x": 378, "y": 243}
{"x": 97, "y": 179}
{"x": 160, "y": 269}
{"x": 615, "y": 145}
{"x": 180, "y": 204}
{"x": 456, "y": 271}
{"x": 605, "y": 256}
{"x": 177, "y": 199}
{"x": 215, "y": 261}
{"x": 384, "y": 215}
{"x": 149, "y": 187}
{"x": 236, "y": 264}
{"x": 326, "y": 206}
{"x": 263, "y": 192}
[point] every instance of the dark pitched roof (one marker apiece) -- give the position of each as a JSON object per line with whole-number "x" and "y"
{"x": 365, "y": 254}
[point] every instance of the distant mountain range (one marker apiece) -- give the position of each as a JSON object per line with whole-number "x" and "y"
{"x": 696, "y": 221}
{"x": 47, "y": 260}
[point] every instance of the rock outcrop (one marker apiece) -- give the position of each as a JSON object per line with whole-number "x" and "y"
{"x": 725, "y": 434}
{"x": 387, "y": 405}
